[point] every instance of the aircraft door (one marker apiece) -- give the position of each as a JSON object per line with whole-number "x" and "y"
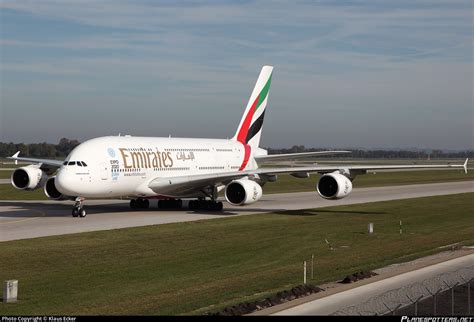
{"x": 104, "y": 171}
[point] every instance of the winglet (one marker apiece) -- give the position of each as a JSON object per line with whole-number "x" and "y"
{"x": 15, "y": 156}
{"x": 465, "y": 165}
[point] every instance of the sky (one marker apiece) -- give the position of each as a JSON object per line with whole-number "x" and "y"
{"x": 347, "y": 74}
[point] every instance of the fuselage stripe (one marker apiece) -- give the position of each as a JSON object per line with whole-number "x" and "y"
{"x": 245, "y": 126}
{"x": 247, "y": 151}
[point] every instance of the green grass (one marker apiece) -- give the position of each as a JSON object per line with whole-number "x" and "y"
{"x": 10, "y": 165}
{"x": 8, "y": 192}
{"x": 5, "y": 174}
{"x": 188, "y": 268}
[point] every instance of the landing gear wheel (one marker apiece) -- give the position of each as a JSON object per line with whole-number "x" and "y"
{"x": 78, "y": 209}
{"x": 139, "y": 203}
{"x": 170, "y": 204}
{"x": 206, "y": 205}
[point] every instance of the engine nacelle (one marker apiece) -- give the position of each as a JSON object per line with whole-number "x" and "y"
{"x": 28, "y": 178}
{"x": 52, "y": 192}
{"x": 243, "y": 192}
{"x": 334, "y": 186}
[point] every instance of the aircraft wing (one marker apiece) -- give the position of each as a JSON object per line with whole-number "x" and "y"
{"x": 45, "y": 163}
{"x": 355, "y": 168}
{"x": 187, "y": 184}
{"x": 295, "y": 156}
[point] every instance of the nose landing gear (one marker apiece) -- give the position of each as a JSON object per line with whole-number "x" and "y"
{"x": 78, "y": 209}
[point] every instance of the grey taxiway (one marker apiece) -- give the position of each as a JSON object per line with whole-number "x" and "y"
{"x": 29, "y": 219}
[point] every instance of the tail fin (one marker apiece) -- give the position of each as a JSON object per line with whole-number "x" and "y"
{"x": 250, "y": 127}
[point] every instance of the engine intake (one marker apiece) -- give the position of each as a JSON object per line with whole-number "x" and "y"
{"x": 28, "y": 178}
{"x": 243, "y": 192}
{"x": 334, "y": 186}
{"x": 52, "y": 192}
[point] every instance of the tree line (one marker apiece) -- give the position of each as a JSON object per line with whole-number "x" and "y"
{"x": 39, "y": 150}
{"x": 62, "y": 149}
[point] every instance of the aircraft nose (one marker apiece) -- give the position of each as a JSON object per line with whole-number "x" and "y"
{"x": 65, "y": 183}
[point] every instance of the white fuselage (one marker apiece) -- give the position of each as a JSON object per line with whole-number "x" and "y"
{"x": 117, "y": 166}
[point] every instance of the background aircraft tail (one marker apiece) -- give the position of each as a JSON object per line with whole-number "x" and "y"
{"x": 250, "y": 127}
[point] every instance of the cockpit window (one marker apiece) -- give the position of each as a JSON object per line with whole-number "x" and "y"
{"x": 79, "y": 163}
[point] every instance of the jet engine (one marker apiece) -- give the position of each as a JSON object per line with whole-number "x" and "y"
{"x": 243, "y": 192}
{"x": 52, "y": 192}
{"x": 334, "y": 186}
{"x": 28, "y": 178}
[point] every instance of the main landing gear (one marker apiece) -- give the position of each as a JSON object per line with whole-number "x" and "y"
{"x": 78, "y": 209}
{"x": 176, "y": 204}
{"x": 209, "y": 205}
{"x": 139, "y": 203}
{"x": 170, "y": 204}
{"x": 199, "y": 204}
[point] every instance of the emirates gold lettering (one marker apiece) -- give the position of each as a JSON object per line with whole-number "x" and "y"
{"x": 124, "y": 158}
{"x": 164, "y": 156}
{"x": 137, "y": 159}
{"x": 155, "y": 163}
{"x": 158, "y": 153}
{"x": 142, "y": 159}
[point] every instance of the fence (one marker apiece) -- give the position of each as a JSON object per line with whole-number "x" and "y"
{"x": 446, "y": 294}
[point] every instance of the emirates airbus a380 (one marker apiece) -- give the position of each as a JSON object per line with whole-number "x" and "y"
{"x": 143, "y": 168}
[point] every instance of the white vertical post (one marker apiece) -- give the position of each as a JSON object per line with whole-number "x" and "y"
{"x": 371, "y": 228}
{"x": 10, "y": 291}
{"x": 312, "y": 266}
{"x": 400, "y": 227}
{"x": 304, "y": 272}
